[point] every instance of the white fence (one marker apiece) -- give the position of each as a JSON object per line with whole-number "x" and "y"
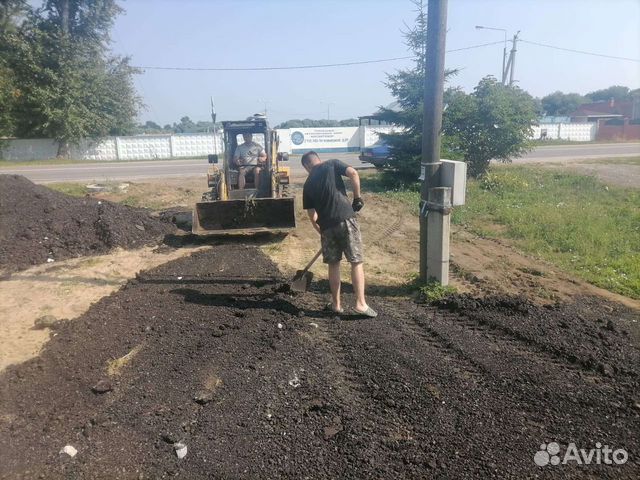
{"x": 143, "y": 147}
{"x": 575, "y": 132}
{"x": 292, "y": 140}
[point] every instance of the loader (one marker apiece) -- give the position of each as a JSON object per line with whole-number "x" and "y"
{"x": 265, "y": 207}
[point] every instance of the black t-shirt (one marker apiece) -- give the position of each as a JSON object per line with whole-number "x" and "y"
{"x": 325, "y": 192}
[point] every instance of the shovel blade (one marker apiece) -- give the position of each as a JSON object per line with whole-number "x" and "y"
{"x": 301, "y": 281}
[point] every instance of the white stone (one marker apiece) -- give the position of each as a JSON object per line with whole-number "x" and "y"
{"x": 181, "y": 450}
{"x": 69, "y": 450}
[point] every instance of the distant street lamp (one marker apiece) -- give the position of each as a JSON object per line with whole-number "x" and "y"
{"x": 504, "y": 51}
{"x": 329, "y": 109}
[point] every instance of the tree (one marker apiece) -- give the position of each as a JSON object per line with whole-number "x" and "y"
{"x": 617, "y": 92}
{"x": 70, "y": 86}
{"x": 493, "y": 122}
{"x": 407, "y": 86}
{"x": 558, "y": 103}
{"x": 12, "y": 14}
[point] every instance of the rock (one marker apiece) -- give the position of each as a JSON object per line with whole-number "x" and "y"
{"x": 605, "y": 369}
{"x": 103, "y": 386}
{"x": 181, "y": 449}
{"x": 280, "y": 326}
{"x": 169, "y": 437}
{"x": 432, "y": 464}
{"x": 295, "y": 381}
{"x": 140, "y": 227}
{"x": 301, "y": 313}
{"x": 203, "y": 397}
{"x": 69, "y": 450}
{"x": 46, "y": 321}
{"x": 313, "y": 324}
{"x": 332, "y": 430}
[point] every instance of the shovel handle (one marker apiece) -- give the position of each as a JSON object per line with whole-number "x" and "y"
{"x": 313, "y": 260}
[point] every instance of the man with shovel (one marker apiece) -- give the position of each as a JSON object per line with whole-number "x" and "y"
{"x": 333, "y": 216}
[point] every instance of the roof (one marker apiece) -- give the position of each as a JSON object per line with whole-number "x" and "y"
{"x": 604, "y": 109}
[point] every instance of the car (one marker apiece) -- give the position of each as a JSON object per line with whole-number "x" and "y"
{"x": 378, "y": 154}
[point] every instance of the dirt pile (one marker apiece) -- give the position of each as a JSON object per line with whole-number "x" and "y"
{"x": 38, "y": 224}
{"x": 205, "y": 352}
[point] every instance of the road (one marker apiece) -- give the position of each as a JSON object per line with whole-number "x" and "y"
{"x": 136, "y": 170}
{"x": 560, "y": 153}
{"x": 139, "y": 170}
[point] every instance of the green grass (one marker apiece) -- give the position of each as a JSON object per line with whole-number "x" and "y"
{"x": 613, "y": 161}
{"x": 69, "y": 188}
{"x": 573, "y": 221}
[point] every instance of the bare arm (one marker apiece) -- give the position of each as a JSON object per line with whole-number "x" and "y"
{"x": 355, "y": 181}
{"x": 313, "y": 216}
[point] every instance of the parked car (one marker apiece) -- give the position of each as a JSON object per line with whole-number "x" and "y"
{"x": 378, "y": 154}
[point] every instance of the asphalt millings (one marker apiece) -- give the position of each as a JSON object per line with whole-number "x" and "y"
{"x": 39, "y": 225}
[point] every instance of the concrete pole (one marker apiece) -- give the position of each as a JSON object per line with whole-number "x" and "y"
{"x": 438, "y": 234}
{"x": 512, "y": 58}
{"x": 432, "y": 119}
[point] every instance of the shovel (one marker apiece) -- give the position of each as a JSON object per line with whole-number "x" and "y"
{"x": 302, "y": 279}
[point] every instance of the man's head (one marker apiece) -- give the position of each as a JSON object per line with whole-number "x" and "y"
{"x": 310, "y": 160}
{"x": 248, "y": 137}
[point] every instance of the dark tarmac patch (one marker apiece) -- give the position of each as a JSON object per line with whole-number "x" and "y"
{"x": 261, "y": 384}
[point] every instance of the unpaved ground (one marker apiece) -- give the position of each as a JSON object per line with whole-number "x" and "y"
{"x": 65, "y": 290}
{"x": 467, "y": 390}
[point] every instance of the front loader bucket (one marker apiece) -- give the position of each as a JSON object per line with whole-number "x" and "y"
{"x": 244, "y": 216}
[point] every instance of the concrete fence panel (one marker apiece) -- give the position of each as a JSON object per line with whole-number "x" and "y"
{"x": 31, "y": 149}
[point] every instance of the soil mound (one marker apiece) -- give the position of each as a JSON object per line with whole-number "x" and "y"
{"x": 38, "y": 224}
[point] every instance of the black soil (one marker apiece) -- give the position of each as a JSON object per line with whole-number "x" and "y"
{"x": 261, "y": 384}
{"x": 37, "y": 224}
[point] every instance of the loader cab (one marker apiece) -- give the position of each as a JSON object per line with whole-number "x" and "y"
{"x": 233, "y": 137}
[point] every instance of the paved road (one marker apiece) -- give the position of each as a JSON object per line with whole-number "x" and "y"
{"x": 138, "y": 170}
{"x": 559, "y": 153}
{"x": 101, "y": 172}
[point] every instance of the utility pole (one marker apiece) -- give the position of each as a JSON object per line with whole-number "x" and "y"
{"x": 328, "y": 108}
{"x": 512, "y": 58}
{"x": 504, "y": 50}
{"x": 432, "y": 218}
{"x": 265, "y": 105}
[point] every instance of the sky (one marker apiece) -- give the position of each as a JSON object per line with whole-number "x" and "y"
{"x": 260, "y": 33}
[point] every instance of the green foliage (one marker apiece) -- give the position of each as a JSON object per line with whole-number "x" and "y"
{"x": 433, "y": 291}
{"x": 558, "y": 103}
{"x": 407, "y": 86}
{"x": 617, "y": 92}
{"x": 493, "y": 122}
{"x": 308, "y": 123}
{"x": 574, "y": 221}
{"x": 66, "y": 85}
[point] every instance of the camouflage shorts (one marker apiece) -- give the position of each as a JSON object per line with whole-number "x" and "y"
{"x": 342, "y": 238}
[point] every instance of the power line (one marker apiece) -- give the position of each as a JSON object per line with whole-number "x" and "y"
{"x": 581, "y": 51}
{"x": 303, "y": 67}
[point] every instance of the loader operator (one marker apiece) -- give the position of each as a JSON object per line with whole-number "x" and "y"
{"x": 331, "y": 213}
{"x": 249, "y": 156}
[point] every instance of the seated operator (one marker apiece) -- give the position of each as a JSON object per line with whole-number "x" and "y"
{"x": 249, "y": 156}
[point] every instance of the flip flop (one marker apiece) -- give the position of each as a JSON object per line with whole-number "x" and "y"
{"x": 329, "y": 308}
{"x": 369, "y": 313}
